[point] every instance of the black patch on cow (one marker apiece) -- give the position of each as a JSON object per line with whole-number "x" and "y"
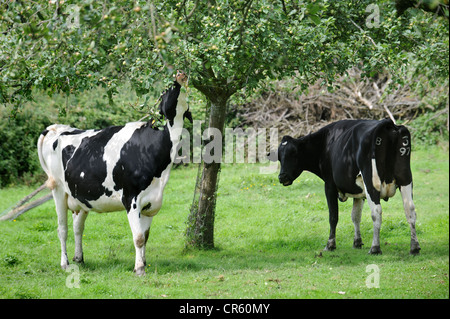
{"x": 55, "y": 144}
{"x": 74, "y": 132}
{"x": 67, "y": 153}
{"x": 88, "y": 159}
{"x": 145, "y": 156}
{"x": 169, "y": 100}
{"x": 44, "y": 132}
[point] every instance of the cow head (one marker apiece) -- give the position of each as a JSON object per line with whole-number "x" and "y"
{"x": 173, "y": 102}
{"x": 290, "y": 160}
{"x": 181, "y": 78}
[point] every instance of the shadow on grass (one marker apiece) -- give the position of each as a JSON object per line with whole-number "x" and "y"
{"x": 254, "y": 254}
{"x": 280, "y": 253}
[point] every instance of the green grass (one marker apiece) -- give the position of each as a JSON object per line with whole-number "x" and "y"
{"x": 268, "y": 238}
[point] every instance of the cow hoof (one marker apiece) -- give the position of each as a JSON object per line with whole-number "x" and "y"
{"x": 331, "y": 245}
{"x": 415, "y": 248}
{"x": 79, "y": 260}
{"x": 357, "y": 243}
{"x": 375, "y": 250}
{"x": 414, "y": 251}
{"x": 64, "y": 263}
{"x": 140, "y": 271}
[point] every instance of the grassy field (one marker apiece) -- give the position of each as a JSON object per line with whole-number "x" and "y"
{"x": 269, "y": 242}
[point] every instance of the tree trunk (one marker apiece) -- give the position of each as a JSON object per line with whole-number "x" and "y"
{"x": 200, "y": 229}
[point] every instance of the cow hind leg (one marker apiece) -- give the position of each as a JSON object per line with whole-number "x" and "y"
{"x": 60, "y": 198}
{"x": 140, "y": 227}
{"x": 373, "y": 198}
{"x": 376, "y": 212}
{"x": 356, "y": 218}
{"x": 78, "y": 227}
{"x": 410, "y": 212}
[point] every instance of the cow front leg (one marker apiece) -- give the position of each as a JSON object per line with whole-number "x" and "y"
{"x": 410, "y": 212}
{"x": 78, "y": 227}
{"x": 60, "y": 199}
{"x": 140, "y": 227}
{"x": 358, "y": 204}
{"x": 333, "y": 208}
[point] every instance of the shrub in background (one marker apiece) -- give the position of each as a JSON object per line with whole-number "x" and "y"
{"x": 18, "y": 138}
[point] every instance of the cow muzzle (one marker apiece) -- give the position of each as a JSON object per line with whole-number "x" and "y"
{"x": 284, "y": 179}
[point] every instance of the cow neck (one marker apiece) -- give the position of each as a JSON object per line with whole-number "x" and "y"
{"x": 312, "y": 143}
{"x": 176, "y": 129}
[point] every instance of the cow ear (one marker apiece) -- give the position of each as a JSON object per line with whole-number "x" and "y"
{"x": 286, "y": 139}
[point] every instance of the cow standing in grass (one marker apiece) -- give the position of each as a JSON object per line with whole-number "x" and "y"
{"x": 359, "y": 159}
{"x": 116, "y": 168}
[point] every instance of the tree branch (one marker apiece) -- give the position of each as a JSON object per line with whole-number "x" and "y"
{"x": 360, "y": 29}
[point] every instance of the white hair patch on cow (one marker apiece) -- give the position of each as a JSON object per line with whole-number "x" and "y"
{"x": 359, "y": 181}
{"x": 82, "y": 175}
{"x": 112, "y": 150}
{"x": 375, "y": 177}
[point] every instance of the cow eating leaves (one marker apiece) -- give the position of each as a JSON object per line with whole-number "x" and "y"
{"x": 359, "y": 159}
{"x": 116, "y": 168}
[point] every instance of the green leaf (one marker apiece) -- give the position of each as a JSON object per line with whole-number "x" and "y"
{"x": 314, "y": 19}
{"x": 313, "y": 8}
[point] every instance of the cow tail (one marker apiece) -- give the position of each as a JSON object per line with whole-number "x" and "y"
{"x": 384, "y": 139}
{"x": 380, "y": 140}
{"x": 50, "y": 183}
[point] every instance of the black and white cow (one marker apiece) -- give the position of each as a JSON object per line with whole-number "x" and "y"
{"x": 355, "y": 158}
{"x": 116, "y": 168}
